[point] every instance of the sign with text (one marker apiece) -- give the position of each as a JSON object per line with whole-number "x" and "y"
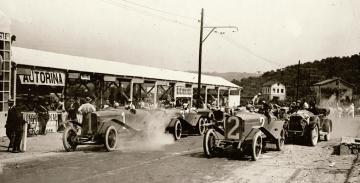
{"x": 32, "y": 119}
{"x": 85, "y": 77}
{"x": 50, "y": 78}
{"x": 4, "y": 36}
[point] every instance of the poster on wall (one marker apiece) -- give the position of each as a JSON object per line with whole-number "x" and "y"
{"x": 41, "y": 77}
{"x": 32, "y": 119}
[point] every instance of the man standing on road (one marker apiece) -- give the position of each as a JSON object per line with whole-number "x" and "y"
{"x": 14, "y": 127}
{"x": 43, "y": 117}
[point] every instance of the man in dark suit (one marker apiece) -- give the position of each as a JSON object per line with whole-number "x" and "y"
{"x": 10, "y": 129}
{"x": 14, "y": 127}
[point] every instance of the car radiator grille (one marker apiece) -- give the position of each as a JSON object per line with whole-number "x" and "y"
{"x": 295, "y": 123}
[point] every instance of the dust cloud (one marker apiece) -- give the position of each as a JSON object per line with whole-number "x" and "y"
{"x": 343, "y": 124}
{"x": 152, "y": 136}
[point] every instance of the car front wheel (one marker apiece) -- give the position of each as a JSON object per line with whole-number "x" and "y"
{"x": 314, "y": 136}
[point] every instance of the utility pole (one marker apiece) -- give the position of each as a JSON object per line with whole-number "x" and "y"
{"x": 298, "y": 81}
{"x": 200, "y": 57}
{"x": 200, "y": 49}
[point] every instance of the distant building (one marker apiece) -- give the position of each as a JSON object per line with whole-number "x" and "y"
{"x": 274, "y": 90}
{"x": 334, "y": 88}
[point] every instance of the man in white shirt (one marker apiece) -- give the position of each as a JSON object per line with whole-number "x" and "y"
{"x": 86, "y": 109}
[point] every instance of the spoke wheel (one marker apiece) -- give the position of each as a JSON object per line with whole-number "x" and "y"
{"x": 314, "y": 136}
{"x": 201, "y": 125}
{"x": 69, "y": 139}
{"x": 209, "y": 143}
{"x": 177, "y": 131}
{"x": 110, "y": 138}
{"x": 281, "y": 141}
{"x": 256, "y": 146}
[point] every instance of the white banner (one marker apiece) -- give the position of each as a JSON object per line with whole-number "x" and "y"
{"x": 50, "y": 78}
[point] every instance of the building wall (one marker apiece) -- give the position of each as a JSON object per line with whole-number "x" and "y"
{"x": 275, "y": 90}
{"x": 324, "y": 92}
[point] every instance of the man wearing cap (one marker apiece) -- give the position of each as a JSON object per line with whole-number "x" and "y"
{"x": 87, "y": 107}
{"x": 14, "y": 127}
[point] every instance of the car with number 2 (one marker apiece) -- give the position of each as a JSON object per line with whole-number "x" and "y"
{"x": 245, "y": 132}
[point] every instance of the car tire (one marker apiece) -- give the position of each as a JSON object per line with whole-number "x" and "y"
{"x": 177, "y": 130}
{"x": 256, "y": 146}
{"x": 314, "y": 136}
{"x": 110, "y": 138}
{"x": 327, "y": 137}
{"x": 69, "y": 139}
{"x": 201, "y": 125}
{"x": 209, "y": 143}
{"x": 281, "y": 141}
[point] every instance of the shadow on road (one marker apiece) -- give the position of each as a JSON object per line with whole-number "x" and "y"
{"x": 229, "y": 155}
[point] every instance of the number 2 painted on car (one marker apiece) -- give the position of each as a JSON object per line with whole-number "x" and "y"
{"x": 262, "y": 121}
{"x": 231, "y": 134}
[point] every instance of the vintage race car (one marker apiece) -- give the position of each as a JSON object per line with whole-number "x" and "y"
{"x": 305, "y": 124}
{"x": 188, "y": 122}
{"x": 245, "y": 132}
{"x": 102, "y": 127}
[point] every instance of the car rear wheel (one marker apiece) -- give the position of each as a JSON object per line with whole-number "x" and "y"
{"x": 327, "y": 137}
{"x": 281, "y": 141}
{"x": 201, "y": 125}
{"x": 209, "y": 143}
{"x": 256, "y": 146}
{"x": 327, "y": 129}
{"x": 110, "y": 138}
{"x": 69, "y": 139}
{"x": 177, "y": 131}
{"x": 314, "y": 136}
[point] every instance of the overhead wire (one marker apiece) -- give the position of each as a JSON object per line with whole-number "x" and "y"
{"x": 117, "y": 3}
{"x": 249, "y": 51}
{"x": 146, "y": 13}
{"x": 159, "y": 10}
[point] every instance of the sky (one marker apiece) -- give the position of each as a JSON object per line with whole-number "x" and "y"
{"x": 165, "y": 33}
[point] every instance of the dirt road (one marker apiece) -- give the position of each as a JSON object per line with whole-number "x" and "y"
{"x": 184, "y": 161}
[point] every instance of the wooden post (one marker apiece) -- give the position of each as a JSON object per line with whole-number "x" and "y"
{"x": 175, "y": 93}
{"x": 239, "y": 96}
{"x": 218, "y": 97}
{"x": 24, "y": 138}
{"x": 192, "y": 96}
{"x": 228, "y": 100}
{"x": 155, "y": 95}
{"x": 131, "y": 90}
{"x": 206, "y": 99}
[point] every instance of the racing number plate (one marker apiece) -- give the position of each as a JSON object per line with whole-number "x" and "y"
{"x": 232, "y": 128}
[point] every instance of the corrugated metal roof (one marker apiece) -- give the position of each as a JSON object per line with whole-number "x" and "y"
{"x": 25, "y": 56}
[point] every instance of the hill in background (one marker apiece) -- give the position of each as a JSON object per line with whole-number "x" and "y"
{"x": 347, "y": 68}
{"x": 231, "y": 75}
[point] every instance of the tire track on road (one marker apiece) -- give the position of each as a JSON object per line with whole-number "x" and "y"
{"x": 113, "y": 172}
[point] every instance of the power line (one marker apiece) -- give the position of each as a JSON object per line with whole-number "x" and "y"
{"x": 244, "y": 48}
{"x": 126, "y": 7}
{"x": 161, "y": 11}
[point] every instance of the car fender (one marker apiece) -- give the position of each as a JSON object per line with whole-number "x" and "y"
{"x": 313, "y": 123}
{"x": 172, "y": 122}
{"x": 273, "y": 130}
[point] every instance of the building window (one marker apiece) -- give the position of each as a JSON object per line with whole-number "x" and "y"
{"x": 273, "y": 90}
{"x": 277, "y": 90}
{"x": 282, "y": 90}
